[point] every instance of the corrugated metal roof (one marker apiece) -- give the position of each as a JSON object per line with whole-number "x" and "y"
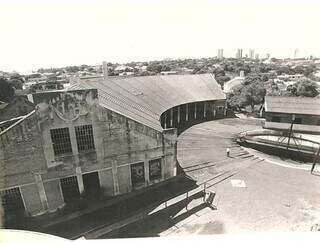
{"x": 292, "y": 105}
{"x": 145, "y": 98}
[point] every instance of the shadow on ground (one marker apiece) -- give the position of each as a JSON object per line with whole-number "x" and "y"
{"x": 165, "y": 219}
{"x": 148, "y": 199}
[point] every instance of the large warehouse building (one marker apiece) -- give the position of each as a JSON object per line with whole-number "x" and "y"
{"x": 103, "y": 135}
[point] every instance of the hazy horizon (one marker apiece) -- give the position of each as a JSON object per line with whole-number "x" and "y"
{"x": 63, "y": 33}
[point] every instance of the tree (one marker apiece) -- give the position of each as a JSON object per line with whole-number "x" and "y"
{"x": 250, "y": 92}
{"x": 253, "y": 93}
{"x": 272, "y": 88}
{"x": 16, "y": 83}
{"x": 304, "y": 87}
{"x": 222, "y": 79}
{"x": 6, "y": 90}
{"x": 234, "y": 99}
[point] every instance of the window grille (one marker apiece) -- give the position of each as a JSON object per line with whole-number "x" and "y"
{"x": 70, "y": 189}
{"x": 11, "y": 199}
{"x": 84, "y": 135}
{"x": 61, "y": 141}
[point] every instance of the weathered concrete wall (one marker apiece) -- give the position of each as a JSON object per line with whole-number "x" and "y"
{"x": 54, "y": 194}
{"x": 106, "y": 182}
{"x": 124, "y": 179}
{"x": 22, "y": 153}
{"x": 31, "y": 198}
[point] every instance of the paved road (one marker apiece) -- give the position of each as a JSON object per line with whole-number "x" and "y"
{"x": 257, "y": 196}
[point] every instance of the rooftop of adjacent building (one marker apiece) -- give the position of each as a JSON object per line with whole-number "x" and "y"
{"x": 293, "y": 105}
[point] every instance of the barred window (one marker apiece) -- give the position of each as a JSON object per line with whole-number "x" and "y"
{"x": 11, "y": 199}
{"x": 155, "y": 169}
{"x": 61, "y": 141}
{"x": 84, "y": 135}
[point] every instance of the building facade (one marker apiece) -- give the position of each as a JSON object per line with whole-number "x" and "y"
{"x": 239, "y": 53}
{"x": 71, "y": 147}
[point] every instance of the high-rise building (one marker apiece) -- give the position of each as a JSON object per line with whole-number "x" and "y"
{"x": 268, "y": 56}
{"x": 296, "y": 53}
{"x": 257, "y": 56}
{"x": 105, "y": 69}
{"x": 251, "y": 53}
{"x": 220, "y": 53}
{"x": 239, "y": 53}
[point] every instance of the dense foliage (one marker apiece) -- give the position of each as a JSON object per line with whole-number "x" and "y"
{"x": 6, "y": 90}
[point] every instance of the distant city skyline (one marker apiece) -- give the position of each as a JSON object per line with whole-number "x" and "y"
{"x": 57, "y": 33}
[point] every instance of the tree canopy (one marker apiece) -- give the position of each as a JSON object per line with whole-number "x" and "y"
{"x": 251, "y": 92}
{"x": 6, "y": 90}
{"x": 304, "y": 87}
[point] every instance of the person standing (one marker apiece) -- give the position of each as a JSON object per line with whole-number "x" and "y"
{"x": 228, "y": 152}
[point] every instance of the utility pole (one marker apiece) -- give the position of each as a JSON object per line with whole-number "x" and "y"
{"x": 290, "y": 131}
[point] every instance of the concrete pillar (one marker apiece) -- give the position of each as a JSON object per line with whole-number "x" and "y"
{"x": 178, "y": 118}
{"x": 214, "y": 112}
{"x": 146, "y": 171}
{"x": 171, "y": 117}
{"x": 204, "y": 109}
{"x": 74, "y": 145}
{"x": 115, "y": 178}
{"x": 195, "y": 110}
{"x": 175, "y": 159}
{"x": 41, "y": 190}
{"x": 187, "y": 112}
{"x": 165, "y": 120}
{"x": 79, "y": 179}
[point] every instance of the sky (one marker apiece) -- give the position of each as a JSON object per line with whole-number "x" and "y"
{"x": 58, "y": 33}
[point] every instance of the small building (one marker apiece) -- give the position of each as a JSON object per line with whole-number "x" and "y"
{"x": 228, "y": 86}
{"x": 292, "y": 77}
{"x": 303, "y": 112}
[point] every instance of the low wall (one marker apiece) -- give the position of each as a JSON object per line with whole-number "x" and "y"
{"x": 278, "y": 151}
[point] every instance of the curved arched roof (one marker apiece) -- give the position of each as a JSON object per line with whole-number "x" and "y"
{"x": 145, "y": 98}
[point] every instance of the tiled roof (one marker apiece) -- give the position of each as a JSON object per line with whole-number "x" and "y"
{"x": 292, "y": 105}
{"x": 145, "y": 98}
